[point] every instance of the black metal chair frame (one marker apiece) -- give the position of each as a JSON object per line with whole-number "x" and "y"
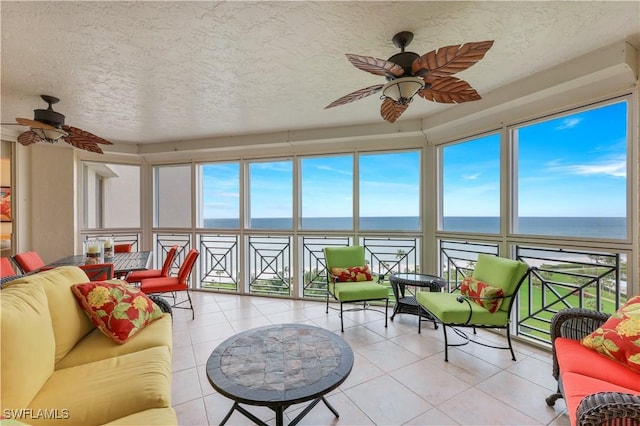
{"x": 456, "y": 326}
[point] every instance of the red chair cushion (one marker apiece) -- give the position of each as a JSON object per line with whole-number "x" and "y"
{"x": 161, "y": 285}
{"x": 575, "y": 358}
{"x": 577, "y": 386}
{"x": 137, "y": 276}
{"x": 6, "y": 269}
{"x": 29, "y": 261}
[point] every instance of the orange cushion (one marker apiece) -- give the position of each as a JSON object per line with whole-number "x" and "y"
{"x": 117, "y": 309}
{"x": 352, "y": 274}
{"x": 485, "y": 295}
{"x": 161, "y": 285}
{"x": 575, "y": 358}
{"x": 137, "y": 276}
{"x": 577, "y": 386}
{"x": 619, "y": 337}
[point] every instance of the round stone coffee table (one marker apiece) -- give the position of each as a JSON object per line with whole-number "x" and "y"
{"x": 277, "y": 366}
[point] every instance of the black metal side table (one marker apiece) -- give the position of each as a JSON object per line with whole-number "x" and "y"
{"x": 406, "y": 302}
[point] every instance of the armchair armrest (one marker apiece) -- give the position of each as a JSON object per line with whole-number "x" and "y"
{"x": 573, "y": 323}
{"x": 609, "y": 408}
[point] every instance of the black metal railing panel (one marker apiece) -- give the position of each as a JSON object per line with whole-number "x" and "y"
{"x": 162, "y": 243}
{"x": 269, "y": 264}
{"x": 458, "y": 259}
{"x": 313, "y": 265}
{"x": 567, "y": 279}
{"x": 219, "y": 266}
{"x": 392, "y": 254}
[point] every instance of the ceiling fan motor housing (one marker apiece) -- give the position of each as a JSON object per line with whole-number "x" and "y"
{"x": 49, "y": 116}
{"x": 405, "y": 60}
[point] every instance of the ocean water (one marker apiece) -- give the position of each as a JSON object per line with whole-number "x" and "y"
{"x": 596, "y": 227}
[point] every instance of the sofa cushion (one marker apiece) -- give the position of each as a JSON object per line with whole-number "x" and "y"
{"x": 119, "y": 310}
{"x": 483, "y": 294}
{"x": 70, "y": 324}
{"x": 576, "y": 386}
{"x": 352, "y": 274}
{"x": 575, "y": 358}
{"x": 153, "y": 416}
{"x": 95, "y": 346}
{"x": 619, "y": 337}
{"x": 27, "y": 344}
{"x": 106, "y": 390}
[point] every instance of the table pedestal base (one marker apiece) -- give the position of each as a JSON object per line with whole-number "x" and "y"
{"x": 279, "y": 413}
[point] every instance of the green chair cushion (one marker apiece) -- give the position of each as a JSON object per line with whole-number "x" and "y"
{"x": 344, "y": 257}
{"x": 361, "y": 290}
{"x": 447, "y": 309}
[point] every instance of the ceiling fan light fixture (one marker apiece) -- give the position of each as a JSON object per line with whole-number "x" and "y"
{"x": 402, "y": 89}
{"x": 49, "y": 135}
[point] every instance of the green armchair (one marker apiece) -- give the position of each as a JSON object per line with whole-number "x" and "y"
{"x": 489, "y": 308}
{"x": 348, "y": 282}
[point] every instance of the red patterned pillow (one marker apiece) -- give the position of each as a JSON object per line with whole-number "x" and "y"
{"x": 483, "y": 294}
{"x": 619, "y": 337}
{"x": 116, "y": 308}
{"x": 352, "y": 274}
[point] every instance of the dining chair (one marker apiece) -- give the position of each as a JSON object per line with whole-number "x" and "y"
{"x": 350, "y": 281}
{"x": 174, "y": 284}
{"x": 28, "y": 261}
{"x": 122, "y": 248}
{"x": 138, "y": 276}
{"x": 98, "y": 271}
{"x": 485, "y": 301}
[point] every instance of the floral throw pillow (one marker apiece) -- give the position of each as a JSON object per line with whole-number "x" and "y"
{"x": 352, "y": 274}
{"x": 485, "y": 295}
{"x": 619, "y": 337}
{"x": 119, "y": 310}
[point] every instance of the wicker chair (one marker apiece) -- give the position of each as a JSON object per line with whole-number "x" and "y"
{"x": 604, "y": 408}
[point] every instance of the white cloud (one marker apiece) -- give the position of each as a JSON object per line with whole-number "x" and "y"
{"x": 614, "y": 168}
{"x": 471, "y": 177}
{"x": 568, "y": 123}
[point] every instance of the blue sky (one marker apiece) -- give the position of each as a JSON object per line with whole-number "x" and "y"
{"x": 573, "y": 165}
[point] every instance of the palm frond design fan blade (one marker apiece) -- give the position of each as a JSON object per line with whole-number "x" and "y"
{"x": 391, "y": 110}
{"x": 450, "y": 59}
{"x": 354, "y": 96}
{"x": 374, "y": 65}
{"x": 83, "y": 134}
{"x": 83, "y": 143}
{"x": 449, "y": 90}
{"x": 28, "y": 137}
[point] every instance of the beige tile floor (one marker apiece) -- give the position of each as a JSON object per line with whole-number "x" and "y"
{"x": 399, "y": 376}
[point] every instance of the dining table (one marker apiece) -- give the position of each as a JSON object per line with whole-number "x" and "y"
{"x": 123, "y": 263}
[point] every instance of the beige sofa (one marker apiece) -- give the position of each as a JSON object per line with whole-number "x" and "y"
{"x": 57, "y": 367}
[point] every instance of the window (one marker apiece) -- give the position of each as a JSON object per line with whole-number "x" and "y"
{"x": 111, "y": 195}
{"x": 471, "y": 186}
{"x": 172, "y": 194}
{"x": 326, "y": 192}
{"x": 572, "y": 174}
{"x": 219, "y": 201}
{"x": 271, "y": 195}
{"x": 390, "y": 191}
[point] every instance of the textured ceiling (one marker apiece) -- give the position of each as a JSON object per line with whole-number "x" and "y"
{"x": 143, "y": 72}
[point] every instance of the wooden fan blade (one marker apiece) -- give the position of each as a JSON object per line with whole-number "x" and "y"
{"x": 28, "y": 137}
{"x": 375, "y": 65}
{"x": 82, "y": 143}
{"x": 33, "y": 123}
{"x": 450, "y": 59}
{"x": 391, "y": 110}
{"x": 449, "y": 90}
{"x": 354, "y": 96}
{"x": 84, "y": 136}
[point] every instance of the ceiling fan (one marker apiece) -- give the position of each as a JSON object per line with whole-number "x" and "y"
{"x": 48, "y": 126}
{"x": 407, "y": 73}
